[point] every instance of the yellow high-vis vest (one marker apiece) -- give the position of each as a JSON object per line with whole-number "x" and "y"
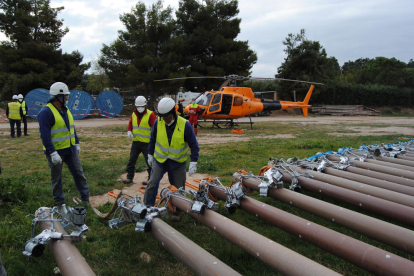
{"x": 178, "y": 149}
{"x": 62, "y": 137}
{"x": 24, "y": 107}
{"x": 14, "y": 111}
{"x": 141, "y": 132}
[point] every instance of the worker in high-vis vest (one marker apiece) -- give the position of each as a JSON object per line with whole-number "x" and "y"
{"x": 24, "y": 109}
{"x": 61, "y": 144}
{"x": 14, "y": 112}
{"x": 139, "y": 132}
{"x": 193, "y": 111}
{"x": 171, "y": 138}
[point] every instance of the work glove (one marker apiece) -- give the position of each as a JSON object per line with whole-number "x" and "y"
{"x": 77, "y": 148}
{"x": 130, "y": 136}
{"x": 56, "y": 159}
{"x": 193, "y": 168}
{"x": 150, "y": 160}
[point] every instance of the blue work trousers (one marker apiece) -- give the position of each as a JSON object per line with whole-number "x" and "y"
{"x": 176, "y": 177}
{"x": 75, "y": 167}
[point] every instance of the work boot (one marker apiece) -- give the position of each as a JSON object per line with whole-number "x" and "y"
{"x": 26, "y": 134}
{"x": 127, "y": 181}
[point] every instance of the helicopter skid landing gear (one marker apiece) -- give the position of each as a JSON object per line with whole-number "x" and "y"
{"x": 228, "y": 124}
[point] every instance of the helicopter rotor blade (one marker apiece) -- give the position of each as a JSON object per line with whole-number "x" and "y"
{"x": 185, "y": 78}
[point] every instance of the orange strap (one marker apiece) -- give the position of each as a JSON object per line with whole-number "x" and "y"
{"x": 112, "y": 193}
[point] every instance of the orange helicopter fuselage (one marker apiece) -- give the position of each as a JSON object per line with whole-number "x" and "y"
{"x": 237, "y": 102}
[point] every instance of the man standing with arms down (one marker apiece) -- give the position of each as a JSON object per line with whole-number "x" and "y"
{"x": 139, "y": 131}
{"x": 170, "y": 139}
{"x": 60, "y": 143}
{"x": 24, "y": 117}
{"x": 14, "y": 112}
{"x": 194, "y": 109}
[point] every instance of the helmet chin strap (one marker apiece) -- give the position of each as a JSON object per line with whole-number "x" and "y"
{"x": 61, "y": 100}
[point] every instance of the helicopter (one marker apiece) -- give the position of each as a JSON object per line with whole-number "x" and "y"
{"x": 231, "y": 102}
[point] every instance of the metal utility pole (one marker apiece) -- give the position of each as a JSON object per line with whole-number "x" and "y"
{"x": 377, "y": 168}
{"x": 379, "y": 162}
{"x": 68, "y": 258}
{"x": 365, "y": 179}
{"x": 282, "y": 259}
{"x": 146, "y": 219}
{"x": 382, "y": 231}
{"x": 373, "y": 191}
{"x": 361, "y": 254}
{"x": 198, "y": 260}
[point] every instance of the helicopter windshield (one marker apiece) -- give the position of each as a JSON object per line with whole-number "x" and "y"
{"x": 204, "y": 99}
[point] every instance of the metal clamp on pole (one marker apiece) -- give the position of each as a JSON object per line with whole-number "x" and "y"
{"x": 271, "y": 178}
{"x": 132, "y": 210}
{"x": 202, "y": 196}
{"x": 71, "y": 218}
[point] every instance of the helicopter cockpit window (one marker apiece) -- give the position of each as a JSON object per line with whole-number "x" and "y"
{"x": 216, "y": 99}
{"x": 214, "y": 108}
{"x": 238, "y": 101}
{"x": 204, "y": 99}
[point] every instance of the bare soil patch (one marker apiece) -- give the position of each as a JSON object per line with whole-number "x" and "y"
{"x": 136, "y": 188}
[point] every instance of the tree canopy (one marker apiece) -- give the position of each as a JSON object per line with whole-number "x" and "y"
{"x": 306, "y": 60}
{"x": 31, "y": 57}
{"x": 199, "y": 42}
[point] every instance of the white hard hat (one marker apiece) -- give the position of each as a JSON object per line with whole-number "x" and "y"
{"x": 166, "y": 106}
{"x": 14, "y": 97}
{"x": 20, "y": 96}
{"x": 59, "y": 88}
{"x": 140, "y": 101}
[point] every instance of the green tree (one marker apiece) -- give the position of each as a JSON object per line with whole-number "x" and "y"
{"x": 209, "y": 29}
{"x": 349, "y": 65}
{"x": 144, "y": 52}
{"x": 31, "y": 57}
{"x": 306, "y": 60}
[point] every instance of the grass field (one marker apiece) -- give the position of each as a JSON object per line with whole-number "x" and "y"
{"x": 25, "y": 186}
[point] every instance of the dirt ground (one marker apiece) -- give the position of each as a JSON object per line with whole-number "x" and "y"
{"x": 383, "y": 126}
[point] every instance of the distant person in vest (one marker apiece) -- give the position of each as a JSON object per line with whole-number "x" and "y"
{"x": 24, "y": 108}
{"x": 194, "y": 109}
{"x": 139, "y": 131}
{"x": 15, "y": 113}
{"x": 171, "y": 137}
{"x": 60, "y": 143}
{"x": 180, "y": 110}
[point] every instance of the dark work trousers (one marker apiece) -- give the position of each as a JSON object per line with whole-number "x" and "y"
{"x": 74, "y": 165}
{"x": 176, "y": 177}
{"x": 25, "y": 124}
{"x": 18, "y": 126}
{"x": 136, "y": 148}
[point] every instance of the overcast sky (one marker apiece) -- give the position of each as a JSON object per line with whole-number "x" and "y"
{"x": 347, "y": 29}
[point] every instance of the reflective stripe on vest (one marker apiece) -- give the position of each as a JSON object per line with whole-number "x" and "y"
{"x": 178, "y": 149}
{"x": 14, "y": 111}
{"x": 141, "y": 132}
{"x": 62, "y": 138}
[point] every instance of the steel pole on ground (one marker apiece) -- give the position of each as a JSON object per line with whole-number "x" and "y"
{"x": 381, "y": 162}
{"x": 395, "y": 160}
{"x": 280, "y": 258}
{"x": 382, "y": 231}
{"x": 359, "y": 187}
{"x": 367, "y": 180}
{"x": 383, "y": 176}
{"x": 198, "y": 260}
{"x": 406, "y": 157}
{"x": 68, "y": 258}
{"x": 361, "y": 254}
{"x": 388, "y": 209}
{"x": 377, "y": 168}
